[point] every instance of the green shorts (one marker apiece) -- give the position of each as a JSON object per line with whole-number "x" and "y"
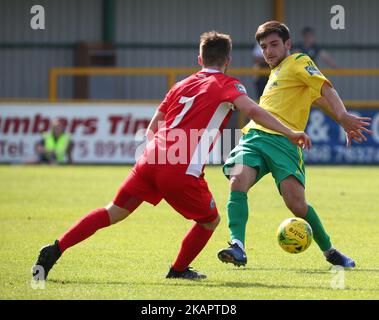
{"x": 266, "y": 153}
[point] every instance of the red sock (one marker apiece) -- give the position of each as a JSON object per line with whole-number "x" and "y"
{"x": 194, "y": 241}
{"x": 84, "y": 228}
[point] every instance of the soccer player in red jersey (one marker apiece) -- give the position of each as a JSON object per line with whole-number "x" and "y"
{"x": 183, "y": 132}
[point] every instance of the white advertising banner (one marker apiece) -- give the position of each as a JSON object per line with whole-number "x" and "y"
{"x": 102, "y": 133}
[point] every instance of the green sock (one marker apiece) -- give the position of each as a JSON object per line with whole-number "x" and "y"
{"x": 238, "y": 213}
{"x": 319, "y": 233}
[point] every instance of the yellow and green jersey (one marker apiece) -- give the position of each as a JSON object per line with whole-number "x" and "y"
{"x": 292, "y": 87}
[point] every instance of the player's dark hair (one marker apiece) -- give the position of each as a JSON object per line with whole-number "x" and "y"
{"x": 215, "y": 48}
{"x": 271, "y": 27}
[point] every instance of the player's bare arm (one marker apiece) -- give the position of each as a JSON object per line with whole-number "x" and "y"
{"x": 357, "y": 136}
{"x": 326, "y": 57}
{"x": 253, "y": 111}
{"x": 344, "y": 118}
{"x": 348, "y": 121}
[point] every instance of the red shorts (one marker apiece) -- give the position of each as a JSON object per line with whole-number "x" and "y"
{"x": 188, "y": 195}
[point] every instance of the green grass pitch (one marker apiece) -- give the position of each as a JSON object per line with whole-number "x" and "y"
{"x": 129, "y": 260}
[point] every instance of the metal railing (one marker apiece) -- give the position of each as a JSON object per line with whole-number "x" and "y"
{"x": 172, "y": 74}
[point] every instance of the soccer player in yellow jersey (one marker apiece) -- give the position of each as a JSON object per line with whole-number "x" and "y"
{"x": 294, "y": 84}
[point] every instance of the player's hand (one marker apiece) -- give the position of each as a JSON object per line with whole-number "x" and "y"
{"x": 354, "y": 123}
{"x": 356, "y": 136}
{"x": 301, "y": 139}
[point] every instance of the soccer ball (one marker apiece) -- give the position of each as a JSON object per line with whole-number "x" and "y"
{"x": 294, "y": 235}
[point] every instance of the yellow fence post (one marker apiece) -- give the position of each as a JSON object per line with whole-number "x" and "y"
{"x": 278, "y": 10}
{"x": 171, "y": 79}
{"x": 52, "y": 85}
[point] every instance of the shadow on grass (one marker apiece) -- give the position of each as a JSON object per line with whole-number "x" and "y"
{"x": 313, "y": 271}
{"x": 254, "y": 285}
{"x": 362, "y": 270}
{"x": 90, "y": 281}
{"x": 204, "y": 284}
{"x": 310, "y": 271}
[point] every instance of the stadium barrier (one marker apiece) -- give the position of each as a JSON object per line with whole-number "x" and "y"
{"x": 172, "y": 74}
{"x": 104, "y": 132}
{"x": 329, "y": 140}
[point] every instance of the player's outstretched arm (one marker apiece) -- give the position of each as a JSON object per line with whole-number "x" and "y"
{"x": 327, "y": 58}
{"x": 357, "y": 136}
{"x": 348, "y": 121}
{"x": 264, "y": 118}
{"x": 332, "y": 105}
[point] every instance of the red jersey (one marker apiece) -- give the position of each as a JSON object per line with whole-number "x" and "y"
{"x": 196, "y": 111}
